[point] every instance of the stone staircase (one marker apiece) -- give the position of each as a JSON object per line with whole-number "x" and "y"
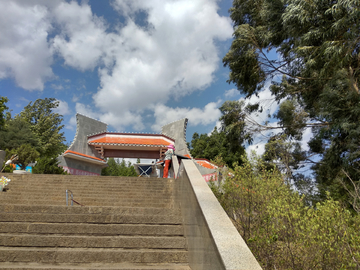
{"x": 124, "y": 223}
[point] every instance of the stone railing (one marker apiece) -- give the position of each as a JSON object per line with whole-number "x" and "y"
{"x": 213, "y": 241}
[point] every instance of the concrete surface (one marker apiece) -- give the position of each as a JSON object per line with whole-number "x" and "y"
{"x": 213, "y": 241}
{"x": 177, "y": 131}
{"x": 85, "y": 126}
{"x": 2, "y": 158}
{"x": 36, "y": 233}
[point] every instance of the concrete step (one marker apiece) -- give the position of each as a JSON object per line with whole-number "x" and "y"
{"x": 91, "y": 229}
{"x": 86, "y": 189}
{"x": 93, "y": 218}
{"x": 99, "y": 197}
{"x": 104, "y": 195}
{"x": 126, "y": 223}
{"x": 77, "y": 178}
{"x": 86, "y": 241}
{"x": 91, "y": 255}
{"x": 89, "y": 203}
{"x": 40, "y": 183}
{"x": 95, "y": 266}
{"x": 87, "y": 210}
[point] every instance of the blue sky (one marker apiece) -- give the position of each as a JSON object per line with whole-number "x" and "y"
{"x": 133, "y": 64}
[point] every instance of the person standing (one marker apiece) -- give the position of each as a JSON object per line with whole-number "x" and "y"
{"x": 168, "y": 157}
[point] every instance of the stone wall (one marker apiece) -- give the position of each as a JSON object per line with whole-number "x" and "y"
{"x": 213, "y": 241}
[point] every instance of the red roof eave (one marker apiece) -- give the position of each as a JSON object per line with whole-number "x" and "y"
{"x": 94, "y": 159}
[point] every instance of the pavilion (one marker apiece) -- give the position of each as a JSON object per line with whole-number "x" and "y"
{"x": 93, "y": 143}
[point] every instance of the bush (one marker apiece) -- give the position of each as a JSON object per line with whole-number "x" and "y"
{"x": 281, "y": 231}
{"x": 48, "y": 165}
{"x": 116, "y": 168}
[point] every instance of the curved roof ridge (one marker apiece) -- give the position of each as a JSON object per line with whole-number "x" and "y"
{"x": 91, "y": 118}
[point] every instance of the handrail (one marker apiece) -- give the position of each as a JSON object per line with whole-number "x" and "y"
{"x": 175, "y": 166}
{"x": 67, "y": 197}
{"x": 72, "y": 198}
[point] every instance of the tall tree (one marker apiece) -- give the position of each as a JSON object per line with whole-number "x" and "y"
{"x": 17, "y": 133}
{"x": 227, "y": 142}
{"x": 46, "y": 125}
{"x": 116, "y": 168}
{"x": 318, "y": 49}
{"x": 3, "y": 108}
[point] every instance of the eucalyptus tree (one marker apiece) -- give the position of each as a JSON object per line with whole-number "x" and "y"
{"x": 316, "y": 72}
{"x": 229, "y": 140}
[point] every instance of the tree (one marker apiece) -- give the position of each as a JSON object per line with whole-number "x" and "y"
{"x": 46, "y": 125}
{"x": 26, "y": 154}
{"x": 210, "y": 147}
{"x": 17, "y": 133}
{"x": 116, "y": 168}
{"x": 280, "y": 230}
{"x": 227, "y": 142}
{"x": 3, "y": 108}
{"x": 288, "y": 158}
{"x": 48, "y": 165}
{"x": 233, "y": 125}
{"x": 318, "y": 49}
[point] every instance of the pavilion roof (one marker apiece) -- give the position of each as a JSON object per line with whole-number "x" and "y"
{"x": 81, "y": 156}
{"x": 205, "y": 163}
{"x": 130, "y": 139}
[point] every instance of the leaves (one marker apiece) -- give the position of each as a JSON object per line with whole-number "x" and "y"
{"x": 281, "y": 231}
{"x": 318, "y": 49}
{"x": 46, "y": 125}
{"x": 3, "y": 108}
{"x": 116, "y": 168}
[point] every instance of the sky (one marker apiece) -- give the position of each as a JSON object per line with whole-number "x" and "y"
{"x": 135, "y": 65}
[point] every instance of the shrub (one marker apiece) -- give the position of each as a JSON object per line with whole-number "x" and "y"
{"x": 281, "y": 231}
{"x": 48, "y": 165}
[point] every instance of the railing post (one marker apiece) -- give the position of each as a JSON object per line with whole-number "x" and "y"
{"x": 175, "y": 165}
{"x": 67, "y": 197}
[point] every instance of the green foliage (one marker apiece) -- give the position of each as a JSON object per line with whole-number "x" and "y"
{"x": 46, "y": 125}
{"x": 228, "y": 142}
{"x": 318, "y": 49}
{"x": 116, "y": 168}
{"x": 33, "y": 133}
{"x": 47, "y": 165}
{"x": 26, "y": 154}
{"x": 209, "y": 147}
{"x": 17, "y": 133}
{"x": 286, "y": 156}
{"x": 280, "y": 230}
{"x": 233, "y": 124}
{"x": 3, "y": 108}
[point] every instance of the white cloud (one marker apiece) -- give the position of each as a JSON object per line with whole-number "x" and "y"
{"x": 268, "y": 103}
{"x": 63, "y": 108}
{"x": 81, "y": 41}
{"x": 172, "y": 57}
{"x": 25, "y": 54}
{"x": 307, "y": 135}
{"x": 231, "y": 93}
{"x": 86, "y": 110}
{"x": 171, "y": 54}
{"x": 165, "y": 115}
{"x": 258, "y": 148}
{"x": 57, "y": 86}
{"x": 120, "y": 121}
